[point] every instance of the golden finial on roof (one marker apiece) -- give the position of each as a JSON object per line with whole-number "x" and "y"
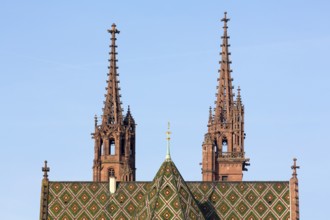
{"x": 168, "y": 138}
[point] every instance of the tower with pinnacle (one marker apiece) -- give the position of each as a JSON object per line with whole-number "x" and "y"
{"x": 114, "y": 149}
{"x": 223, "y": 147}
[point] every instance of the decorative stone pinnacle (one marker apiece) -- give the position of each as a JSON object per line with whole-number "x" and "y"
{"x": 210, "y": 115}
{"x": 294, "y": 167}
{"x": 114, "y": 30}
{"x": 168, "y": 138}
{"x": 95, "y": 120}
{"x": 45, "y": 169}
{"x": 225, "y": 19}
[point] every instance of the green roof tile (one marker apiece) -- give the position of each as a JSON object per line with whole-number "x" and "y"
{"x": 169, "y": 196}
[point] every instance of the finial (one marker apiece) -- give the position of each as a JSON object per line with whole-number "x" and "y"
{"x": 45, "y": 169}
{"x": 168, "y": 138}
{"x": 210, "y": 115}
{"x": 128, "y": 109}
{"x": 294, "y": 167}
{"x": 239, "y": 91}
{"x": 225, "y": 19}
{"x": 95, "y": 120}
{"x": 113, "y": 30}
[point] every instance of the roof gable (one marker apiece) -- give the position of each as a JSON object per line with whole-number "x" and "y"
{"x": 169, "y": 197}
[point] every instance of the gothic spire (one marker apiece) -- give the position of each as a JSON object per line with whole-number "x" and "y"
{"x": 112, "y": 112}
{"x": 224, "y": 96}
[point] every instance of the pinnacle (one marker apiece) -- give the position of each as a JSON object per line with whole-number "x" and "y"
{"x": 225, "y": 19}
{"x": 45, "y": 169}
{"x": 112, "y": 113}
{"x": 224, "y": 95}
{"x": 113, "y": 29}
{"x": 294, "y": 167}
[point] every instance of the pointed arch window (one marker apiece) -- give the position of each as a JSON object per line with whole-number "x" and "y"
{"x": 112, "y": 147}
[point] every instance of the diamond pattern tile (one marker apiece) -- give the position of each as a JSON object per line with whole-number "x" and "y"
{"x": 173, "y": 199}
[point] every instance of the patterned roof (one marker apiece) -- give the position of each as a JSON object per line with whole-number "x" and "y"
{"x": 168, "y": 196}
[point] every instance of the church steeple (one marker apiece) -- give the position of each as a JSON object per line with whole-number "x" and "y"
{"x": 224, "y": 96}
{"x": 114, "y": 151}
{"x": 112, "y": 112}
{"x": 223, "y": 146}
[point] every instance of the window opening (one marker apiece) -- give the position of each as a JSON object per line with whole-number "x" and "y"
{"x": 101, "y": 148}
{"x": 122, "y": 147}
{"x": 112, "y": 147}
{"x": 111, "y": 172}
{"x": 224, "y": 145}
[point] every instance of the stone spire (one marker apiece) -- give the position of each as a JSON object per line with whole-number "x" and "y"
{"x": 224, "y": 96}
{"x": 112, "y": 112}
{"x": 223, "y": 146}
{"x": 114, "y": 148}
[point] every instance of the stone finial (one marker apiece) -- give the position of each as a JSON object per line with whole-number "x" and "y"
{"x": 95, "y": 120}
{"x": 294, "y": 167}
{"x": 113, "y": 29}
{"x": 210, "y": 116}
{"x": 45, "y": 169}
{"x": 225, "y": 19}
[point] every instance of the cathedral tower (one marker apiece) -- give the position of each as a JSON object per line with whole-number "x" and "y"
{"x": 114, "y": 150}
{"x": 223, "y": 146}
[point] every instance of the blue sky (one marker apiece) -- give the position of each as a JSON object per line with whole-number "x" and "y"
{"x": 53, "y": 65}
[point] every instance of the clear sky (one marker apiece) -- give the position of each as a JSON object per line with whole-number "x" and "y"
{"x": 53, "y": 65}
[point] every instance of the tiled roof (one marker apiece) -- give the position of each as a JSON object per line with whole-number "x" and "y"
{"x": 168, "y": 196}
